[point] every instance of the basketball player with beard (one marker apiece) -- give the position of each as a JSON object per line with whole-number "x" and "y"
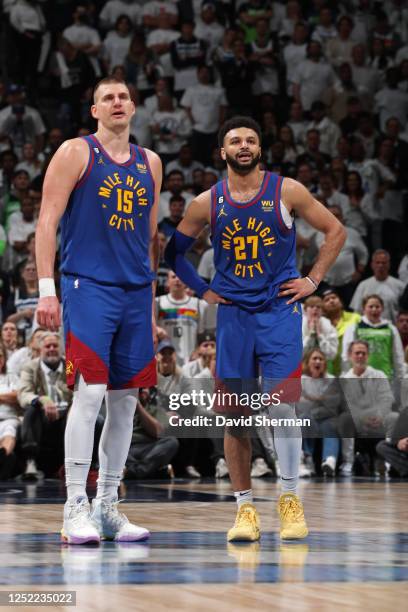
{"x": 258, "y": 290}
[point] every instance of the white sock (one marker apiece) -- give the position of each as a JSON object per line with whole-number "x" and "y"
{"x": 244, "y": 497}
{"x": 288, "y": 446}
{"x": 79, "y": 436}
{"x": 115, "y": 441}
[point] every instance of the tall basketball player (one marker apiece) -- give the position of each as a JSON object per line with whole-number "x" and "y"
{"x": 257, "y": 288}
{"x": 105, "y": 193}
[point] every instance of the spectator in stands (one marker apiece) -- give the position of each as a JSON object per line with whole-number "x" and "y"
{"x": 386, "y": 352}
{"x": 84, "y": 37}
{"x": 168, "y": 225}
{"x": 181, "y": 316}
{"x": 31, "y": 161}
{"x": 113, "y": 9}
{"x": 171, "y": 127}
{"x": 187, "y": 53}
{"x": 140, "y": 127}
{"x": 312, "y": 78}
{"x": 320, "y": 402}
{"x": 237, "y": 76}
{"x": 205, "y": 104}
{"x": 368, "y": 398}
{"x": 265, "y": 60}
{"x": 349, "y": 266}
{"x": 26, "y": 353}
{"x": 28, "y": 21}
{"x": 331, "y": 196}
{"x": 159, "y": 40}
{"x": 198, "y": 248}
{"x": 21, "y": 224}
{"x": 9, "y": 412}
{"x": 153, "y": 9}
{"x": 9, "y": 337}
{"x": 337, "y": 97}
{"x": 116, "y": 44}
{"x": 150, "y": 453}
{"x": 325, "y": 30}
{"x": 390, "y": 101}
{"x": 313, "y": 155}
{"x": 185, "y": 163}
{"x": 168, "y": 372}
{"x": 365, "y": 76}
{"x": 45, "y": 398}
{"x": 293, "y": 53}
{"x": 381, "y": 283}
{"x": 141, "y": 66}
{"x": 367, "y": 132}
{"x": 341, "y": 319}
{"x": 339, "y": 48}
{"x": 249, "y": 13}
{"x": 291, "y": 150}
{"x": 208, "y": 27}
{"x": 328, "y": 130}
{"x": 205, "y": 352}
{"x": 395, "y": 451}
{"x": 12, "y": 200}
{"x": 174, "y": 186}
{"x": 25, "y": 299}
{"x": 360, "y": 213}
{"x": 402, "y": 327}
{"x": 318, "y": 332}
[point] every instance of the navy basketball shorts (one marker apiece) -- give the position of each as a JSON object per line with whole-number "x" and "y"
{"x": 259, "y": 346}
{"x": 108, "y": 333}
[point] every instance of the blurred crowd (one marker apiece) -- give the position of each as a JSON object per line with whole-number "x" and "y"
{"x": 328, "y": 82}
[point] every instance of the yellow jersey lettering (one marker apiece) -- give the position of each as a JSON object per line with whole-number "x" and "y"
{"x": 143, "y": 202}
{"x": 113, "y": 220}
{"x": 141, "y": 191}
{"x": 258, "y": 267}
{"x": 226, "y": 244}
{"x": 269, "y": 241}
{"x": 251, "y": 223}
{"x": 238, "y": 269}
{"x": 104, "y": 192}
{"x": 129, "y": 180}
{"x": 265, "y": 232}
{"x": 236, "y": 225}
{"x": 117, "y": 179}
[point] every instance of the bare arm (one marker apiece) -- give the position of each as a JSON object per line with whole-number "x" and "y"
{"x": 157, "y": 172}
{"x": 297, "y": 198}
{"x": 64, "y": 171}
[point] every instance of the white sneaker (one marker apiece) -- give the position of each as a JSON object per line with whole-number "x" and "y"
{"x": 329, "y": 466}
{"x": 192, "y": 472}
{"x": 306, "y": 467}
{"x": 221, "y": 469}
{"x": 260, "y": 468}
{"x": 78, "y": 527}
{"x": 346, "y": 469}
{"x": 113, "y": 525}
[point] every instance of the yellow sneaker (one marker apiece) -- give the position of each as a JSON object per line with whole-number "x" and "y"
{"x": 293, "y": 524}
{"x": 246, "y": 528}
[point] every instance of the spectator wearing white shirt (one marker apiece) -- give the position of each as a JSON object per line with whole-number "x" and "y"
{"x": 264, "y": 59}
{"x": 381, "y": 283}
{"x": 360, "y": 213}
{"x": 365, "y": 76}
{"x": 317, "y": 331}
{"x": 116, "y": 44}
{"x": 325, "y": 30}
{"x": 329, "y": 195}
{"x": 140, "y": 127}
{"x": 84, "y": 37}
{"x": 205, "y": 104}
{"x": 368, "y": 396}
{"x": 297, "y": 123}
{"x": 205, "y": 352}
{"x": 159, "y": 40}
{"x": 161, "y": 86}
{"x": 293, "y": 53}
{"x": 9, "y": 413}
{"x": 403, "y": 270}
{"x": 207, "y": 27}
{"x": 312, "y": 77}
{"x": 21, "y": 224}
{"x": 328, "y": 130}
{"x": 349, "y": 266}
{"x": 154, "y": 8}
{"x": 206, "y": 267}
{"x": 187, "y": 53}
{"x": 115, "y": 8}
{"x": 338, "y": 49}
{"x": 391, "y": 101}
{"x": 31, "y": 163}
{"x": 21, "y": 122}
{"x": 185, "y": 163}
{"x": 174, "y": 185}
{"x": 27, "y": 19}
{"x": 170, "y": 127}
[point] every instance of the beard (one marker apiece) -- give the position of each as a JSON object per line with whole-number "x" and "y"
{"x": 242, "y": 169}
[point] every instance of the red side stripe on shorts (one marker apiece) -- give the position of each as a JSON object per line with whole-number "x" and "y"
{"x": 80, "y": 358}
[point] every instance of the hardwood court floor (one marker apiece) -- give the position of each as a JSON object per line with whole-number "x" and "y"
{"x": 355, "y": 557}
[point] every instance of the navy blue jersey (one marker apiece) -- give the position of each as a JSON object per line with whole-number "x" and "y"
{"x": 254, "y": 250}
{"x": 105, "y": 230}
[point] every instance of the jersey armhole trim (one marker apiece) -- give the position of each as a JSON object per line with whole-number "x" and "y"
{"x": 89, "y": 166}
{"x": 213, "y": 209}
{"x": 145, "y": 157}
{"x": 283, "y": 227}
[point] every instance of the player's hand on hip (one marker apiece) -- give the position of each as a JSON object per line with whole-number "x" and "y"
{"x": 213, "y": 298}
{"x": 297, "y": 288}
{"x": 49, "y": 313}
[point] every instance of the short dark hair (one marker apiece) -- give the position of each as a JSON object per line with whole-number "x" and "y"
{"x": 109, "y": 80}
{"x": 238, "y": 122}
{"x": 177, "y": 198}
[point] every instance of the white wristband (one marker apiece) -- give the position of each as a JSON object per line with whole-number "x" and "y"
{"x": 47, "y": 287}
